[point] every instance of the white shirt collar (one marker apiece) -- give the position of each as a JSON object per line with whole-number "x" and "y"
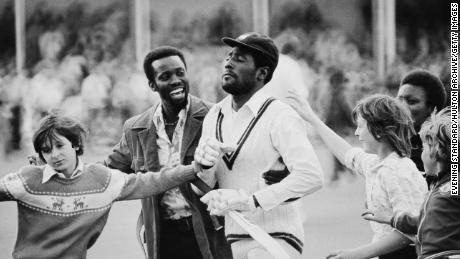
{"x": 158, "y": 115}
{"x": 49, "y": 172}
{"x": 389, "y": 161}
{"x": 256, "y": 101}
{"x": 253, "y": 104}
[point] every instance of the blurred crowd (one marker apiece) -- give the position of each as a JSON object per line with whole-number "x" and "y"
{"x": 84, "y": 61}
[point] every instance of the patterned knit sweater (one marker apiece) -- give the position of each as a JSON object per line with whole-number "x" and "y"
{"x": 62, "y": 218}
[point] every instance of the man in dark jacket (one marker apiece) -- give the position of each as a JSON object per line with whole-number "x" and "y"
{"x": 176, "y": 223}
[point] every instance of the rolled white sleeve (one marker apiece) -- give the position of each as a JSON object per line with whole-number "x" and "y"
{"x": 359, "y": 161}
{"x": 289, "y": 137}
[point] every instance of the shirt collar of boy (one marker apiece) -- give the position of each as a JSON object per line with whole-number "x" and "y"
{"x": 49, "y": 172}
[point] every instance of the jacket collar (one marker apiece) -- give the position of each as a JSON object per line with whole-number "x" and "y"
{"x": 144, "y": 121}
{"x": 147, "y": 135}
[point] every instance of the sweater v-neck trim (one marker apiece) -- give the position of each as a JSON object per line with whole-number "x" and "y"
{"x": 230, "y": 158}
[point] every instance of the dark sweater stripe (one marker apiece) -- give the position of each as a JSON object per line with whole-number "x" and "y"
{"x": 289, "y": 238}
{"x": 106, "y": 178}
{"x": 220, "y": 116}
{"x": 66, "y": 214}
{"x": 229, "y": 159}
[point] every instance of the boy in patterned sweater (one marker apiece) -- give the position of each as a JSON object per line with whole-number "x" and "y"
{"x": 63, "y": 205}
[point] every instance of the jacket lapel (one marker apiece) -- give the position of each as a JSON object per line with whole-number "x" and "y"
{"x": 146, "y": 134}
{"x": 147, "y": 138}
{"x": 192, "y": 128}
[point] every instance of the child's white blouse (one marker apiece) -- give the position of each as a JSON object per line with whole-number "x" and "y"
{"x": 393, "y": 184}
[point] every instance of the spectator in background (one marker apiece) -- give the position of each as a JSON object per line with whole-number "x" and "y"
{"x": 176, "y": 223}
{"x": 338, "y": 113}
{"x": 422, "y": 92}
{"x": 393, "y": 182}
{"x": 437, "y": 227}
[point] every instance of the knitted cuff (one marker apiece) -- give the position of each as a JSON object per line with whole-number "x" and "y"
{"x": 393, "y": 221}
{"x": 187, "y": 172}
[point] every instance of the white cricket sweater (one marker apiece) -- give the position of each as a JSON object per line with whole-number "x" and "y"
{"x": 278, "y": 133}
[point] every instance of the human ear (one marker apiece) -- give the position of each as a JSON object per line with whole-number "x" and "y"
{"x": 153, "y": 86}
{"x": 76, "y": 147}
{"x": 262, "y": 73}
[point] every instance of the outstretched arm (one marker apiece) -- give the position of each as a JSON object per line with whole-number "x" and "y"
{"x": 336, "y": 144}
{"x": 379, "y": 216}
{"x": 4, "y": 193}
{"x": 120, "y": 158}
{"x": 401, "y": 221}
{"x": 142, "y": 185}
{"x": 390, "y": 243}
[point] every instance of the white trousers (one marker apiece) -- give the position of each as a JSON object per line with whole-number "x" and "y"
{"x": 251, "y": 249}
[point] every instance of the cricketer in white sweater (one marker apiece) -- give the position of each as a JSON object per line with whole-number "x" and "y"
{"x": 268, "y": 135}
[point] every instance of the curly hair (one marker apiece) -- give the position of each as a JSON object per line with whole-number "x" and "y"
{"x": 387, "y": 120}
{"x": 53, "y": 125}
{"x": 159, "y": 53}
{"x": 432, "y": 86}
{"x": 436, "y": 132}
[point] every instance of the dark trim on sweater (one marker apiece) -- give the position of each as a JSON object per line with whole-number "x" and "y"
{"x": 229, "y": 159}
{"x": 289, "y": 238}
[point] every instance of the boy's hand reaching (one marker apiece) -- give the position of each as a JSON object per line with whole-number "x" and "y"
{"x": 34, "y": 160}
{"x": 378, "y": 216}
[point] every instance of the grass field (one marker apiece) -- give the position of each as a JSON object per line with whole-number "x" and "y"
{"x": 331, "y": 216}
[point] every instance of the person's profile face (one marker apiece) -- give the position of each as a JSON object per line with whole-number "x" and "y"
{"x": 368, "y": 141}
{"x": 171, "y": 80}
{"x": 415, "y": 98}
{"x": 429, "y": 163}
{"x": 239, "y": 72}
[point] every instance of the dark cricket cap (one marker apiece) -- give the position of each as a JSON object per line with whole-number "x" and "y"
{"x": 258, "y": 43}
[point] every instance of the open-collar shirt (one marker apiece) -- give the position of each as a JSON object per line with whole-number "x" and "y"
{"x": 172, "y": 201}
